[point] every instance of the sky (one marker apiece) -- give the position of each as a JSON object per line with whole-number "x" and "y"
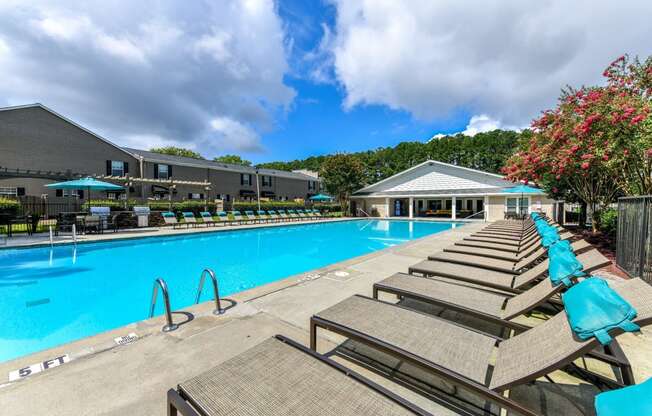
{"x": 287, "y": 79}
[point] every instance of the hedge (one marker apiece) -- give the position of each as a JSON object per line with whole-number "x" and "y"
{"x": 9, "y": 206}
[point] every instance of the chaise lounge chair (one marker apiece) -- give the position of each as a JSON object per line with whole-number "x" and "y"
{"x": 207, "y": 218}
{"x": 170, "y": 219}
{"x": 463, "y": 357}
{"x": 189, "y": 219}
{"x": 508, "y": 282}
{"x": 273, "y": 216}
{"x": 281, "y": 377}
{"x": 516, "y": 266}
{"x": 283, "y": 215}
{"x": 250, "y": 217}
{"x": 485, "y": 304}
{"x": 237, "y": 217}
{"x": 223, "y": 217}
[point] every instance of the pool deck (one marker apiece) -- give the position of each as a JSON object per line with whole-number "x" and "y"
{"x": 104, "y": 378}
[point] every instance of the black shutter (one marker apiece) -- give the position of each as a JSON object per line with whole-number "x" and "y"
{"x": 156, "y": 171}
{"x": 126, "y": 167}
{"x": 201, "y": 196}
{"x": 80, "y": 193}
{"x": 242, "y": 179}
{"x": 169, "y": 171}
{"x": 58, "y": 193}
{"x": 20, "y": 191}
{"x": 189, "y": 196}
{"x": 251, "y": 180}
{"x": 108, "y": 168}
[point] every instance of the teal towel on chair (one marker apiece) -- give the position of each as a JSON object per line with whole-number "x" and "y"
{"x": 563, "y": 266}
{"x": 593, "y": 309}
{"x": 629, "y": 401}
{"x": 549, "y": 237}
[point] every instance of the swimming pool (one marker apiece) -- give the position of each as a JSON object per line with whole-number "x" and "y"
{"x": 52, "y": 296}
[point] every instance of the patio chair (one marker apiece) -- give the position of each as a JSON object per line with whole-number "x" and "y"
{"x": 207, "y": 218}
{"x": 170, "y": 219}
{"x": 223, "y": 218}
{"x": 516, "y": 266}
{"x": 317, "y": 213}
{"x": 484, "y": 304}
{"x": 92, "y": 223}
{"x": 508, "y": 282}
{"x": 281, "y": 377}
{"x": 189, "y": 219}
{"x": 249, "y": 216}
{"x": 464, "y": 358}
{"x": 301, "y": 214}
{"x": 293, "y": 215}
{"x": 237, "y": 217}
{"x": 283, "y": 215}
{"x": 499, "y": 251}
{"x": 262, "y": 216}
{"x": 273, "y": 216}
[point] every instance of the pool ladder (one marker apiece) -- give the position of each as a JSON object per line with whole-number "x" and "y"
{"x": 160, "y": 283}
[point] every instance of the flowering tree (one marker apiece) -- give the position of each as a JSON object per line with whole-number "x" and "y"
{"x": 597, "y": 142}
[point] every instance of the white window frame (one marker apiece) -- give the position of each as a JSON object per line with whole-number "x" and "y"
{"x": 114, "y": 168}
{"x": 165, "y": 176}
{"x": 312, "y": 185}
{"x": 267, "y": 180}
{"x": 519, "y": 206}
{"x": 9, "y": 190}
{"x": 246, "y": 179}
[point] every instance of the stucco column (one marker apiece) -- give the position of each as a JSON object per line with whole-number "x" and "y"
{"x": 453, "y": 208}
{"x": 486, "y": 207}
{"x": 411, "y": 208}
{"x": 387, "y": 208}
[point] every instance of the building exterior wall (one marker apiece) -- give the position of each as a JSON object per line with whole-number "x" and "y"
{"x": 373, "y": 205}
{"x": 33, "y": 138}
{"x": 496, "y": 206}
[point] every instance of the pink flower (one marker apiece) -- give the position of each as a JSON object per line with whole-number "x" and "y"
{"x": 586, "y": 165}
{"x": 637, "y": 119}
{"x": 625, "y": 152}
{"x": 555, "y": 190}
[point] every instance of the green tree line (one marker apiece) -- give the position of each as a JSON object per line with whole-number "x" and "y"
{"x": 484, "y": 151}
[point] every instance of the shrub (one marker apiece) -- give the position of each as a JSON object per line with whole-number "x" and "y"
{"x": 609, "y": 221}
{"x": 9, "y": 206}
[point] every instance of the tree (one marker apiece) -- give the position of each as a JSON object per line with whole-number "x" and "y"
{"x": 596, "y": 143}
{"x": 342, "y": 174}
{"x": 233, "y": 159}
{"x": 177, "y": 151}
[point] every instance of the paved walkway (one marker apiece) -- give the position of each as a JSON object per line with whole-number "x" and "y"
{"x": 106, "y": 379}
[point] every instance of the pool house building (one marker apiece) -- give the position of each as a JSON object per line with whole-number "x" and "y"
{"x": 440, "y": 190}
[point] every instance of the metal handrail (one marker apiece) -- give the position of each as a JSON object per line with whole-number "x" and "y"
{"x": 216, "y": 293}
{"x": 169, "y": 326}
{"x": 364, "y": 212}
{"x": 473, "y": 215}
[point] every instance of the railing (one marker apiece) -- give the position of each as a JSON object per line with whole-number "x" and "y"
{"x": 473, "y": 215}
{"x": 169, "y": 326}
{"x": 634, "y": 237}
{"x": 364, "y": 212}
{"x": 216, "y": 293}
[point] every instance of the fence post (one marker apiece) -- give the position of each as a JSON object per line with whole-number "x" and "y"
{"x": 643, "y": 237}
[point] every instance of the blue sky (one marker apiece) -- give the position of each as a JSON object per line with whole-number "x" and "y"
{"x": 286, "y": 79}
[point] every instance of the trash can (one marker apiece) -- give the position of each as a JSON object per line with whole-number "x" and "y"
{"x": 142, "y": 213}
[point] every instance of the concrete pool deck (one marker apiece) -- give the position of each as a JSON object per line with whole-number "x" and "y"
{"x": 104, "y": 378}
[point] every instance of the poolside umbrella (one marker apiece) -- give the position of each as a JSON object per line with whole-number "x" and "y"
{"x": 87, "y": 183}
{"x": 321, "y": 197}
{"x": 522, "y": 189}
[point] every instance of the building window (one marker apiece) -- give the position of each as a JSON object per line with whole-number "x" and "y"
{"x": 469, "y": 205}
{"x": 312, "y": 185}
{"x": 513, "y": 206}
{"x": 267, "y": 180}
{"x": 195, "y": 196}
{"x": 9, "y": 191}
{"x": 117, "y": 168}
{"x": 163, "y": 172}
{"x": 245, "y": 179}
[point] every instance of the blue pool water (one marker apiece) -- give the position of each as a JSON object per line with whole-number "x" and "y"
{"x": 52, "y": 296}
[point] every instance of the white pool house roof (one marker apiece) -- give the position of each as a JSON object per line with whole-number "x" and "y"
{"x": 433, "y": 178}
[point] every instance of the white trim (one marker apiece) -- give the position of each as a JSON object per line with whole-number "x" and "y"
{"x": 440, "y": 195}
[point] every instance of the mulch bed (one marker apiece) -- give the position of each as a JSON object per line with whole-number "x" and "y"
{"x": 605, "y": 244}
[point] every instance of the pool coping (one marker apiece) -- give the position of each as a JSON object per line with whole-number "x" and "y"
{"x": 101, "y": 342}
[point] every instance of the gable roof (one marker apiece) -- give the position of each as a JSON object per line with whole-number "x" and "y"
{"x": 67, "y": 120}
{"x": 436, "y": 178}
{"x": 210, "y": 164}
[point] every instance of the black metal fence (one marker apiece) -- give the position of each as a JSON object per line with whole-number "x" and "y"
{"x": 30, "y": 205}
{"x": 634, "y": 241}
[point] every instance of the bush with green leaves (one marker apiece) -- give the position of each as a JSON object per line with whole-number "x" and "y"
{"x": 609, "y": 221}
{"x": 9, "y": 206}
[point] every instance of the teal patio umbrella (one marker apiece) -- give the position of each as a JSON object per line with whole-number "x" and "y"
{"x": 321, "y": 197}
{"x": 88, "y": 183}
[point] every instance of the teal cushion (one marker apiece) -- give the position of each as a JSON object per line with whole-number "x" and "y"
{"x": 593, "y": 309}
{"x": 629, "y": 401}
{"x": 549, "y": 237}
{"x": 168, "y": 214}
{"x": 563, "y": 266}
{"x": 261, "y": 213}
{"x": 222, "y": 214}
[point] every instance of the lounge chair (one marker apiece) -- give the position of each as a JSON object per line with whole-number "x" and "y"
{"x": 223, "y": 217}
{"x": 273, "y": 216}
{"x": 498, "y": 251}
{"x": 207, "y": 218}
{"x": 283, "y": 215}
{"x": 301, "y": 214}
{"x": 281, "y": 377}
{"x": 317, "y": 213}
{"x": 249, "y": 216}
{"x": 237, "y": 217}
{"x": 293, "y": 215}
{"x": 516, "y": 266}
{"x": 170, "y": 219}
{"x": 508, "y": 282}
{"x": 485, "y": 304}
{"x": 463, "y": 358}
{"x": 189, "y": 219}
{"x": 262, "y": 216}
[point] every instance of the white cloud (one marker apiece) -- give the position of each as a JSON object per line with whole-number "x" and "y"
{"x": 479, "y": 124}
{"x": 234, "y": 135}
{"x": 501, "y": 58}
{"x": 155, "y": 72}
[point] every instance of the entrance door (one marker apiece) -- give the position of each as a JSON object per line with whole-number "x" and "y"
{"x": 398, "y": 204}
